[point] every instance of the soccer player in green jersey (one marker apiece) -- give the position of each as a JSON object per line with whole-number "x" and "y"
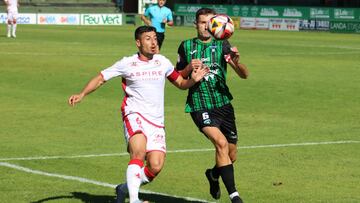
{"x": 208, "y": 102}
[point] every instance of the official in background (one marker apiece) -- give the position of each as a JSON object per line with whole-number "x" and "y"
{"x": 158, "y": 16}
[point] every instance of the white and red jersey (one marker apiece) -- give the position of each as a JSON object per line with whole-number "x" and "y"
{"x": 143, "y": 83}
{"x": 12, "y": 5}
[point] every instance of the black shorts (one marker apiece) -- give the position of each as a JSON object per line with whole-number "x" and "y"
{"x": 222, "y": 118}
{"x": 160, "y": 38}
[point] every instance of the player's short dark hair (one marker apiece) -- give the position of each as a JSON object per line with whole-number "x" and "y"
{"x": 140, "y": 30}
{"x": 204, "y": 11}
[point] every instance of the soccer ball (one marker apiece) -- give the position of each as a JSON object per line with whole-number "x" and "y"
{"x": 221, "y": 26}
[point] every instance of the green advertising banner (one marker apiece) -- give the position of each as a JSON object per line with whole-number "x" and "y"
{"x": 345, "y": 26}
{"x": 319, "y": 13}
{"x": 343, "y": 14}
{"x": 190, "y": 9}
{"x": 273, "y": 12}
{"x": 331, "y": 14}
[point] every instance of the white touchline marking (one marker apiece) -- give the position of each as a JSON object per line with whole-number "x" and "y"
{"x": 56, "y": 54}
{"x": 85, "y": 180}
{"x": 314, "y": 53}
{"x": 267, "y": 43}
{"x": 301, "y": 144}
{"x": 63, "y": 157}
{"x": 183, "y": 150}
{"x": 28, "y": 170}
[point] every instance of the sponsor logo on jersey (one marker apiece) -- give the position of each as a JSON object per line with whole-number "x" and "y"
{"x": 207, "y": 121}
{"x": 193, "y": 52}
{"x": 232, "y": 135}
{"x": 159, "y": 139}
{"x": 211, "y": 74}
{"x": 157, "y": 63}
{"x": 147, "y": 75}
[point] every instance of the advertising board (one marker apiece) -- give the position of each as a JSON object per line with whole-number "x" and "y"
{"x": 101, "y": 19}
{"x": 23, "y": 18}
{"x": 58, "y": 19}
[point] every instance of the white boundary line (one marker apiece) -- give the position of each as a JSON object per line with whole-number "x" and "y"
{"x": 183, "y": 150}
{"x": 306, "y": 45}
{"x": 84, "y": 180}
{"x": 315, "y": 53}
{"x": 55, "y": 54}
{"x": 111, "y": 54}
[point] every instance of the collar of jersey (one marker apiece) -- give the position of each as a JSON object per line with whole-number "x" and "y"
{"x": 201, "y": 42}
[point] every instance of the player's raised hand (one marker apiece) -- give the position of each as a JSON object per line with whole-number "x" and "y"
{"x": 195, "y": 64}
{"x": 73, "y": 99}
{"x": 199, "y": 73}
{"x": 235, "y": 55}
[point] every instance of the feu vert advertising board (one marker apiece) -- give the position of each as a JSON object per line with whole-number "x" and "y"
{"x": 101, "y": 19}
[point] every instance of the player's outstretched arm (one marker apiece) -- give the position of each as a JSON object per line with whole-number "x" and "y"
{"x": 193, "y": 65}
{"x": 234, "y": 61}
{"x": 196, "y": 76}
{"x": 91, "y": 86}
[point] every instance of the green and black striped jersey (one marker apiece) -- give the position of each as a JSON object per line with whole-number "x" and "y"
{"x": 212, "y": 91}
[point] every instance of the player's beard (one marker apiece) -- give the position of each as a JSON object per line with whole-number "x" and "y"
{"x": 204, "y": 36}
{"x": 149, "y": 53}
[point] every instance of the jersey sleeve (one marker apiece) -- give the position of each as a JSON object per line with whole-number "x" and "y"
{"x": 226, "y": 49}
{"x": 169, "y": 15}
{"x": 170, "y": 73}
{"x": 173, "y": 75}
{"x": 181, "y": 62}
{"x": 147, "y": 12}
{"x": 113, "y": 71}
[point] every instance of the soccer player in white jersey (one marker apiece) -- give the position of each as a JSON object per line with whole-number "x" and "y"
{"x": 12, "y": 13}
{"x": 143, "y": 80}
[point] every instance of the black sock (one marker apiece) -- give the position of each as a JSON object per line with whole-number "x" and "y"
{"x": 227, "y": 175}
{"x": 215, "y": 172}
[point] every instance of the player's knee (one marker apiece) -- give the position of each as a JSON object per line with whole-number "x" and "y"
{"x": 155, "y": 161}
{"x": 155, "y": 168}
{"x": 138, "y": 155}
{"x": 222, "y": 145}
{"x": 233, "y": 153}
{"x": 232, "y": 157}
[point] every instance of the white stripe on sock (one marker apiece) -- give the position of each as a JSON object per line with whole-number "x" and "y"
{"x": 234, "y": 194}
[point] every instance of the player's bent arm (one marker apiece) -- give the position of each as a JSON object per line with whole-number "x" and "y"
{"x": 234, "y": 60}
{"x": 185, "y": 73}
{"x": 240, "y": 69}
{"x": 91, "y": 86}
{"x": 196, "y": 76}
{"x": 194, "y": 64}
{"x": 182, "y": 83}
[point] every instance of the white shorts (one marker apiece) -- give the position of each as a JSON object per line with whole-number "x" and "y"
{"x": 134, "y": 123}
{"x": 12, "y": 15}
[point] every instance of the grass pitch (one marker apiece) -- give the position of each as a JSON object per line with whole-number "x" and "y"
{"x": 303, "y": 88}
